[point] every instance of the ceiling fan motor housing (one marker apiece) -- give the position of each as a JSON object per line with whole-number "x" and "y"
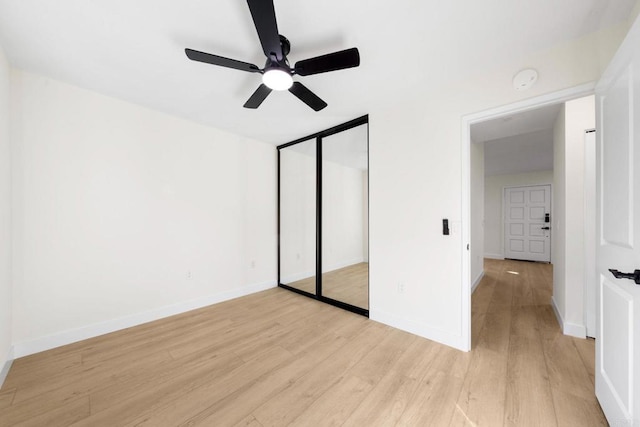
{"x": 285, "y": 44}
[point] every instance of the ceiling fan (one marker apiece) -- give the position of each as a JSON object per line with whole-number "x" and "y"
{"x": 277, "y": 74}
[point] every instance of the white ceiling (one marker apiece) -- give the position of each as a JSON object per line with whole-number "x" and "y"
{"x": 134, "y": 50}
{"x": 518, "y": 143}
{"x": 515, "y": 124}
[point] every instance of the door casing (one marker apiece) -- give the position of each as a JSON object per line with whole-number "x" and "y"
{"x": 468, "y": 120}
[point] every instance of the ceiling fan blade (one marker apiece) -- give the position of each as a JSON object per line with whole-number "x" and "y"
{"x": 258, "y": 96}
{"x": 306, "y": 96}
{"x": 209, "y": 58}
{"x": 348, "y": 58}
{"x": 264, "y": 18}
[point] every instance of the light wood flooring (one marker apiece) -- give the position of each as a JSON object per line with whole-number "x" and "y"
{"x": 277, "y": 358}
{"x": 348, "y": 284}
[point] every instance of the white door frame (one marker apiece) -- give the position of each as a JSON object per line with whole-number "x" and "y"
{"x": 467, "y": 121}
{"x": 590, "y": 283}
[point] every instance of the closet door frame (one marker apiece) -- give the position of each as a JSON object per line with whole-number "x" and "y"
{"x": 360, "y": 121}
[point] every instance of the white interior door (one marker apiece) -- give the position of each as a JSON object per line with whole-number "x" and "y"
{"x": 526, "y": 224}
{"x": 618, "y": 235}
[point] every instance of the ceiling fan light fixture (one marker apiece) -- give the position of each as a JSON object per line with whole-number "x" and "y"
{"x": 277, "y": 79}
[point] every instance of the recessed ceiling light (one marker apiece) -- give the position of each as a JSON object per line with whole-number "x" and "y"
{"x": 525, "y": 79}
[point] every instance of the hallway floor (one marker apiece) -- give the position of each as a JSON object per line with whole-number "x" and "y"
{"x": 522, "y": 366}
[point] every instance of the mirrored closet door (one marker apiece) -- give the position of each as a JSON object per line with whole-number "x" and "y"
{"x": 297, "y": 169}
{"x": 345, "y": 225}
{"x": 323, "y": 216}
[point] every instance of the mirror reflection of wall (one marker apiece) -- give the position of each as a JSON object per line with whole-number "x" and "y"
{"x": 298, "y": 216}
{"x": 333, "y": 190}
{"x": 345, "y": 257}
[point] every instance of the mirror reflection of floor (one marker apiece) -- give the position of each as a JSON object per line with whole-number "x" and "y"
{"x": 348, "y": 284}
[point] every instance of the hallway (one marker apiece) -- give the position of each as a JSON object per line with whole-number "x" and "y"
{"x": 522, "y": 366}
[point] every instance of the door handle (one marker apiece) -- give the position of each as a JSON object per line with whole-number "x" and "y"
{"x": 544, "y": 228}
{"x": 635, "y": 276}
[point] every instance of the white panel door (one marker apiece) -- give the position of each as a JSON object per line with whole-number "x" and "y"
{"x": 618, "y": 235}
{"x": 526, "y": 234}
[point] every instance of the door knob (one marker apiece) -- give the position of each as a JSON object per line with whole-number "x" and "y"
{"x": 635, "y": 276}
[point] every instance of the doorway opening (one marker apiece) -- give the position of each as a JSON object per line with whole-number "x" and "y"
{"x": 491, "y": 132}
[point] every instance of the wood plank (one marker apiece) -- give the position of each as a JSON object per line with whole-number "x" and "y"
{"x": 529, "y": 400}
{"x": 89, "y": 379}
{"x": 434, "y": 400}
{"x": 31, "y": 371}
{"x": 275, "y": 357}
{"x": 148, "y": 406}
{"x": 386, "y": 402}
{"x": 6, "y": 397}
{"x": 565, "y": 366}
{"x": 572, "y": 410}
{"x": 61, "y": 415}
{"x": 482, "y": 398}
{"x": 251, "y": 387}
{"x": 335, "y": 404}
{"x": 298, "y": 384}
{"x": 249, "y": 421}
{"x": 587, "y": 350}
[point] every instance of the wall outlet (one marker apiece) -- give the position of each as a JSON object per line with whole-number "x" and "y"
{"x": 401, "y": 288}
{"x": 189, "y": 275}
{"x": 253, "y": 263}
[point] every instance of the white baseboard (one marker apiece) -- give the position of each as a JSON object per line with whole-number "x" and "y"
{"x": 477, "y": 282}
{"x": 6, "y": 365}
{"x": 568, "y": 328}
{"x": 425, "y": 331}
{"x": 494, "y": 256}
{"x": 25, "y": 348}
{"x": 575, "y": 330}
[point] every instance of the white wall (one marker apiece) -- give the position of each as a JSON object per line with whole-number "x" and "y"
{"x": 493, "y": 209}
{"x": 568, "y": 276}
{"x": 477, "y": 213}
{"x": 416, "y": 181}
{"x": 123, "y": 214}
{"x": 5, "y": 219}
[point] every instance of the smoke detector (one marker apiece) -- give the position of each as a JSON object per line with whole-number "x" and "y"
{"x": 525, "y": 79}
